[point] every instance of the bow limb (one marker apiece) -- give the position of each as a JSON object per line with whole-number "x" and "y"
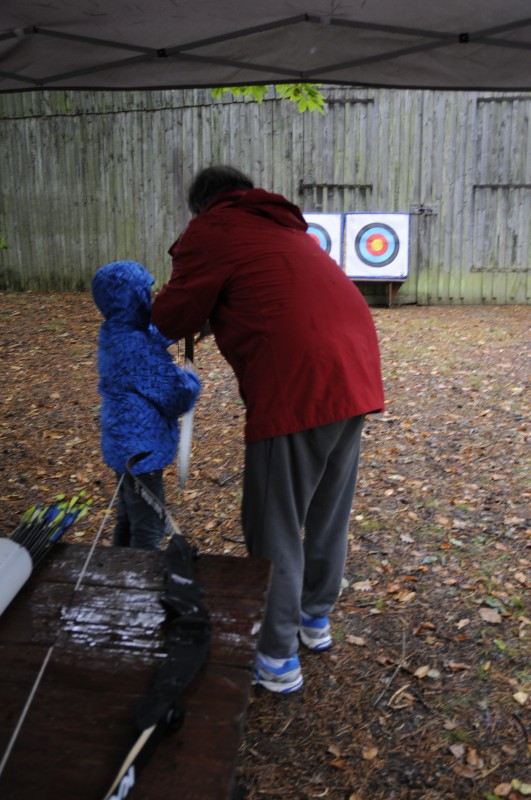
{"x": 126, "y": 777}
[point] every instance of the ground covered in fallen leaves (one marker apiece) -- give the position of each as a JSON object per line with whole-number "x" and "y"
{"x": 426, "y": 692}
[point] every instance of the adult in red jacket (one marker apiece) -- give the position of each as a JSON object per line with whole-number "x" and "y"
{"x": 302, "y": 343}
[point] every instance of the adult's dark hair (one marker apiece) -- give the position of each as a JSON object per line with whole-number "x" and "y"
{"x": 212, "y": 181}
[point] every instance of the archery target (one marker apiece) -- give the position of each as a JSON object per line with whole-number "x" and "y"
{"x": 377, "y": 246}
{"x": 327, "y": 230}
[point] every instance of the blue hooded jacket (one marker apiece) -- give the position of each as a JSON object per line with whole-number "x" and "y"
{"x": 143, "y": 390}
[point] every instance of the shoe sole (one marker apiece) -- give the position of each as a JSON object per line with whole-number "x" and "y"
{"x": 315, "y": 644}
{"x": 279, "y": 688}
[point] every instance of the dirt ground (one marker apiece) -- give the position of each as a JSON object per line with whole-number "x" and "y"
{"x": 426, "y": 693}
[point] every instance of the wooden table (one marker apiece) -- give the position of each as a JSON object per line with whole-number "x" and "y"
{"x": 107, "y": 645}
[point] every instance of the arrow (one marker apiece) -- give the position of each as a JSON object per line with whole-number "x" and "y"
{"x": 30, "y": 517}
{"x": 40, "y": 528}
{"x": 188, "y": 640}
{"x": 185, "y": 441}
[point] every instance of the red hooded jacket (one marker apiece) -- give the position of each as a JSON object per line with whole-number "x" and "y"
{"x": 296, "y": 331}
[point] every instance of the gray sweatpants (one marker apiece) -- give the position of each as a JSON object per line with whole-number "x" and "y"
{"x": 302, "y": 481}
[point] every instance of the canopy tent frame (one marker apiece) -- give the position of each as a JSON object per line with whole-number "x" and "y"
{"x": 239, "y": 55}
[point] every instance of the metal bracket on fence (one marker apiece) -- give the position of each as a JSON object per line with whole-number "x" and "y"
{"x": 424, "y": 211}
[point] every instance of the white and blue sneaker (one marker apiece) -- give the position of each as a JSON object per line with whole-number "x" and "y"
{"x": 277, "y": 675}
{"x": 314, "y": 632}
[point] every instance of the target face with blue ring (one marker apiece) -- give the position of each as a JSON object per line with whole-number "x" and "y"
{"x": 327, "y": 230}
{"x": 377, "y": 244}
{"x": 321, "y": 236}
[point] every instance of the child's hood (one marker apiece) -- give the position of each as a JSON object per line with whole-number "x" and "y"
{"x": 122, "y": 292}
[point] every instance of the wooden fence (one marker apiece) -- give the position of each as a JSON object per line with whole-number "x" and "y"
{"x": 89, "y": 178}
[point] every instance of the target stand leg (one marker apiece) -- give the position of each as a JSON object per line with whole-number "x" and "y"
{"x": 392, "y": 291}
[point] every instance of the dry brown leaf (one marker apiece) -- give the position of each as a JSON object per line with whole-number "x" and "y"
{"x": 421, "y": 672}
{"x": 362, "y": 586}
{"x": 406, "y": 597}
{"x": 490, "y": 615}
{"x": 459, "y": 524}
{"x": 503, "y": 789}
{"x": 444, "y": 521}
{"x": 52, "y": 435}
{"x": 457, "y": 750}
{"x": 401, "y": 699}
{"x": 426, "y": 625}
{"x": 384, "y": 660}
{"x": 456, "y": 666}
{"x": 357, "y": 640}
{"x": 464, "y": 770}
{"x": 369, "y": 753}
{"x": 338, "y": 763}
{"x": 509, "y": 749}
{"x": 393, "y": 587}
{"x": 473, "y": 759}
{"x": 521, "y": 698}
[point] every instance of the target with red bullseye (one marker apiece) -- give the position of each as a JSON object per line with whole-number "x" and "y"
{"x": 327, "y": 230}
{"x": 376, "y": 246}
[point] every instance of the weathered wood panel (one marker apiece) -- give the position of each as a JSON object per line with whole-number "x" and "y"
{"x": 92, "y": 177}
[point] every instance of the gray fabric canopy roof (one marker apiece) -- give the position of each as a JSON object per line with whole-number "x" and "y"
{"x": 128, "y": 44}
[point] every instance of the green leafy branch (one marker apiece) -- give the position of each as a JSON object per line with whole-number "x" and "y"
{"x": 3, "y": 243}
{"x": 306, "y": 95}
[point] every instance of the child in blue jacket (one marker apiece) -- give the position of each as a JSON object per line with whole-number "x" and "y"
{"x": 143, "y": 393}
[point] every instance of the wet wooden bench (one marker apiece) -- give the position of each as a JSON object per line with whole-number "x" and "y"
{"x": 107, "y": 645}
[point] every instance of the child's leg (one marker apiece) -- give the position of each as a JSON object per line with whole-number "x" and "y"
{"x": 121, "y": 535}
{"x": 147, "y": 529}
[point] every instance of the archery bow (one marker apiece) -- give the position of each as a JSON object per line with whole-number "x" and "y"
{"x": 188, "y": 640}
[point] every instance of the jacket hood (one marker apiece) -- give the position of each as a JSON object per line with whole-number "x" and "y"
{"x": 264, "y": 204}
{"x": 122, "y": 292}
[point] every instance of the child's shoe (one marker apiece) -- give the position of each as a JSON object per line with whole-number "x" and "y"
{"x": 285, "y": 678}
{"x": 314, "y": 633}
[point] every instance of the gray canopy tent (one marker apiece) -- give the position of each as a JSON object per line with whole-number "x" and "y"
{"x": 121, "y": 44}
